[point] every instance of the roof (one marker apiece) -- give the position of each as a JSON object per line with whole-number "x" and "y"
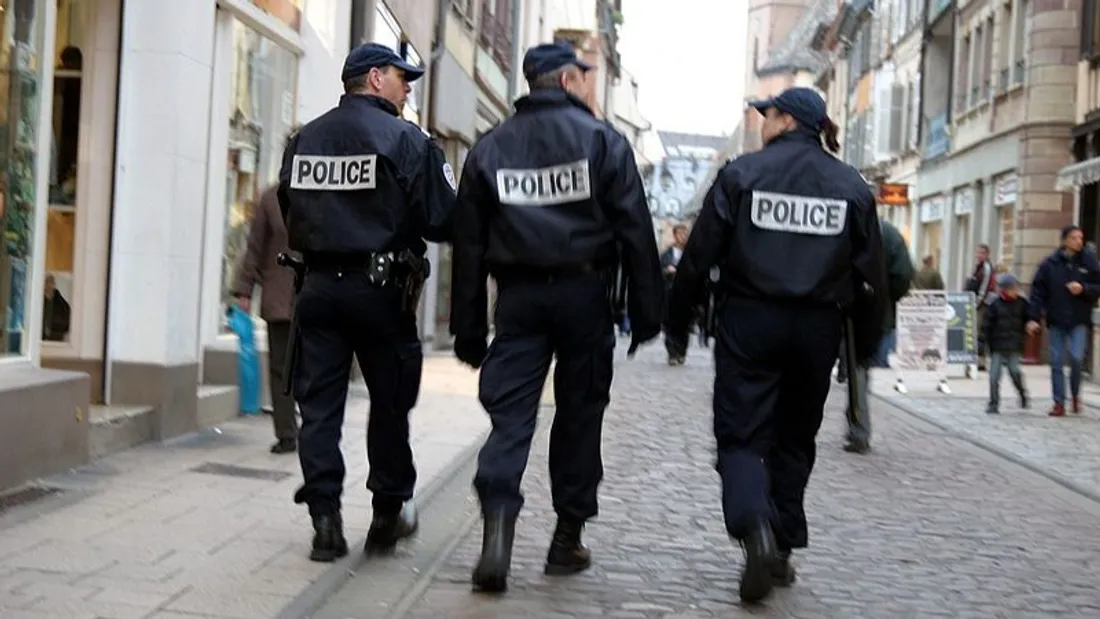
{"x": 674, "y": 142}
{"x": 795, "y": 53}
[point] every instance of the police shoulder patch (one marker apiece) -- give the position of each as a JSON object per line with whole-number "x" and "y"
{"x": 810, "y": 215}
{"x": 449, "y": 174}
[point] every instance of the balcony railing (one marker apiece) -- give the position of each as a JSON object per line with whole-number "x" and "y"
{"x": 937, "y": 142}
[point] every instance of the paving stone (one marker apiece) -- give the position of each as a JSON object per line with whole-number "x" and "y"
{"x": 924, "y": 526}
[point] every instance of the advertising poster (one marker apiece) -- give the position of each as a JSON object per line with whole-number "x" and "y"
{"x": 962, "y": 328}
{"x": 922, "y": 332}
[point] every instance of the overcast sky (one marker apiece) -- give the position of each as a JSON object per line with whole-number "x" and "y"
{"x": 688, "y": 58}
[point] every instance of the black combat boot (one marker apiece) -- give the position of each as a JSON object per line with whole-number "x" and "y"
{"x": 783, "y": 574}
{"x": 388, "y": 527}
{"x": 1018, "y": 382}
{"x": 993, "y": 407}
{"x": 567, "y": 554}
{"x": 498, "y": 533}
{"x": 328, "y": 538}
{"x": 760, "y": 558}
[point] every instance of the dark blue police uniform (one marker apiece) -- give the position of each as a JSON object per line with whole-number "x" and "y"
{"x": 548, "y": 202}
{"x": 795, "y": 234}
{"x": 360, "y": 190}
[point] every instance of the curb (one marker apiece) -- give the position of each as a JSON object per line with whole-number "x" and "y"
{"x": 997, "y": 450}
{"x": 332, "y": 579}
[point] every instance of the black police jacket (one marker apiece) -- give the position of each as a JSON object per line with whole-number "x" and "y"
{"x": 552, "y": 188}
{"x": 791, "y": 223}
{"x": 360, "y": 179}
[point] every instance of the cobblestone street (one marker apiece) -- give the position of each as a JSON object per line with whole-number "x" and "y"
{"x": 926, "y": 526}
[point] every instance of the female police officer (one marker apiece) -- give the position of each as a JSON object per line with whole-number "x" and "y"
{"x": 795, "y": 235}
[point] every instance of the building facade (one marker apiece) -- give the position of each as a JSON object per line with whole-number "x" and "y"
{"x": 139, "y": 137}
{"x": 959, "y": 111}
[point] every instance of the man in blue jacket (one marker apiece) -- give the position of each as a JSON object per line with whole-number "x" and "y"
{"x": 1064, "y": 290}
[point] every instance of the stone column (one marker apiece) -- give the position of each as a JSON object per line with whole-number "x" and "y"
{"x": 1052, "y": 55}
{"x": 159, "y": 209}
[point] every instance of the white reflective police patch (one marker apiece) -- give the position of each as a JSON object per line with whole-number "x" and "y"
{"x": 326, "y": 173}
{"x": 799, "y": 214}
{"x": 559, "y": 184}
{"x": 449, "y": 174}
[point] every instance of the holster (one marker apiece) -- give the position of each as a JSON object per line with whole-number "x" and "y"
{"x": 414, "y": 272}
{"x": 617, "y": 282}
{"x": 290, "y": 361}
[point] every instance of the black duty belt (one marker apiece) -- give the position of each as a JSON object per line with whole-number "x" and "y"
{"x": 507, "y": 274}
{"x": 378, "y": 266}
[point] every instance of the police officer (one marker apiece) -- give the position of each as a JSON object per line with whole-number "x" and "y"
{"x": 548, "y": 201}
{"x": 360, "y": 190}
{"x": 795, "y": 235}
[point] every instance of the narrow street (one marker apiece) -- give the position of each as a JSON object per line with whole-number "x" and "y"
{"x": 928, "y": 525}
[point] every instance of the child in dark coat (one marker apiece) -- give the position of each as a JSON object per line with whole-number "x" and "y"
{"x": 1003, "y": 332}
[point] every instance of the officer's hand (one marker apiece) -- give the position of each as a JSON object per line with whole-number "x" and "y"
{"x": 639, "y": 336}
{"x": 471, "y": 350}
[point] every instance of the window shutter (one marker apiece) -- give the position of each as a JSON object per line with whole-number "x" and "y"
{"x": 914, "y": 113}
{"x": 897, "y": 118}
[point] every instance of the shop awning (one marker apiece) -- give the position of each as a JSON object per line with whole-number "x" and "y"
{"x": 1081, "y": 173}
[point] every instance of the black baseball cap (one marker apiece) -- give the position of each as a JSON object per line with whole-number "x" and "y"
{"x": 804, "y": 104}
{"x": 370, "y": 55}
{"x": 550, "y": 57}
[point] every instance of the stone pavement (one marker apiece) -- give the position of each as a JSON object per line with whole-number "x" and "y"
{"x": 143, "y": 534}
{"x": 1067, "y": 449}
{"x": 926, "y": 526}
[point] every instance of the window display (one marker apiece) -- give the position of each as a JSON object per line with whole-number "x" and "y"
{"x": 21, "y": 66}
{"x": 261, "y": 115}
{"x": 61, "y": 212}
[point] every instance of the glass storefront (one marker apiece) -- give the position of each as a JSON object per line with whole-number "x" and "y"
{"x": 58, "y": 305}
{"x": 21, "y": 66}
{"x": 261, "y": 111}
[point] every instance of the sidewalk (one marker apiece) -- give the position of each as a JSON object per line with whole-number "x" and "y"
{"x": 206, "y": 525}
{"x": 1066, "y": 449}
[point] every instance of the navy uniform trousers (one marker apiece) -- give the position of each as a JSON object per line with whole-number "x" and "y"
{"x": 773, "y": 362}
{"x": 342, "y": 315}
{"x": 536, "y": 319}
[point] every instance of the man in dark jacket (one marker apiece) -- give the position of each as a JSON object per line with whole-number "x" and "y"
{"x": 899, "y": 271}
{"x": 1064, "y": 290}
{"x": 669, "y": 259}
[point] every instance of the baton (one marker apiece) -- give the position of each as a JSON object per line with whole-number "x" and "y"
{"x": 290, "y": 360}
{"x": 853, "y": 410}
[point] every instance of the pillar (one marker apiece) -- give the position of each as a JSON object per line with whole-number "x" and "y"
{"x": 1051, "y": 50}
{"x": 159, "y": 209}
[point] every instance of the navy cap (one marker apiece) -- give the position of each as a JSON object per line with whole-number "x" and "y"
{"x": 550, "y": 57}
{"x": 1007, "y": 280}
{"x": 370, "y": 55}
{"x": 804, "y": 104}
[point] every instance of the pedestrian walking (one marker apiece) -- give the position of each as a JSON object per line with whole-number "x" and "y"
{"x": 360, "y": 190}
{"x": 550, "y": 201}
{"x": 267, "y": 238}
{"x": 795, "y": 233}
{"x": 1003, "y": 336}
{"x": 899, "y": 272}
{"x": 1063, "y": 292}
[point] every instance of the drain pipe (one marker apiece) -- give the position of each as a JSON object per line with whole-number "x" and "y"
{"x": 358, "y": 23}
{"x": 513, "y": 75}
{"x": 436, "y": 57}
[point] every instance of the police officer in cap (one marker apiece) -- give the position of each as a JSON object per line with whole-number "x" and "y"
{"x": 795, "y": 235}
{"x": 547, "y": 200}
{"x": 360, "y": 190}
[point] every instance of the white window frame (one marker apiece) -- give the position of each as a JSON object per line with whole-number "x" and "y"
{"x": 210, "y": 336}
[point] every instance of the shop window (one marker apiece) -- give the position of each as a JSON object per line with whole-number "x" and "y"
{"x": 21, "y": 63}
{"x": 61, "y": 214}
{"x": 261, "y": 116}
